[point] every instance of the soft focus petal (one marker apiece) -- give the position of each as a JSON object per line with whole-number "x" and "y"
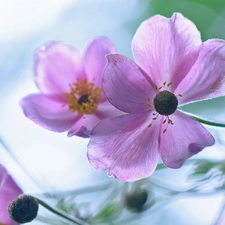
{"x": 206, "y": 79}
{"x": 125, "y": 146}
{"x": 85, "y": 124}
{"x": 107, "y": 110}
{"x": 8, "y": 191}
{"x": 124, "y": 84}
{"x": 166, "y": 48}
{"x": 48, "y": 112}
{"x": 56, "y": 66}
{"x": 182, "y": 140}
{"x": 94, "y": 58}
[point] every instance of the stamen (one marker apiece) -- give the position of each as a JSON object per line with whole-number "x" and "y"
{"x": 83, "y": 97}
{"x": 155, "y": 86}
{"x": 146, "y": 105}
{"x": 169, "y": 84}
{"x": 169, "y": 121}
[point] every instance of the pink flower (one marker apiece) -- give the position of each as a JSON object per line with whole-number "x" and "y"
{"x": 71, "y": 97}
{"x": 173, "y": 67}
{"x": 8, "y": 192}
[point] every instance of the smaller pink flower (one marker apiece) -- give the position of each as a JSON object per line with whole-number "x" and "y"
{"x": 8, "y": 192}
{"x": 71, "y": 97}
{"x": 172, "y": 67}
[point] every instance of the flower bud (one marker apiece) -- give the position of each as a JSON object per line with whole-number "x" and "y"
{"x": 136, "y": 199}
{"x": 23, "y": 209}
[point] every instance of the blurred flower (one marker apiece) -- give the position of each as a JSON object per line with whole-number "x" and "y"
{"x": 173, "y": 67}
{"x": 71, "y": 97}
{"x": 8, "y": 191}
{"x": 136, "y": 199}
{"x": 23, "y": 209}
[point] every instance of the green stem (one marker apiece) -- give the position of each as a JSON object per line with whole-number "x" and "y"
{"x": 205, "y": 121}
{"x": 61, "y": 213}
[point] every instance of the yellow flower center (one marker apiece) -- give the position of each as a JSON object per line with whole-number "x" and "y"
{"x": 83, "y": 97}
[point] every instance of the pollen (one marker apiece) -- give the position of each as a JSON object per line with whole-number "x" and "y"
{"x": 83, "y": 97}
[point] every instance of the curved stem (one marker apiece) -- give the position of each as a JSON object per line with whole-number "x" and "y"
{"x": 61, "y": 213}
{"x": 205, "y": 121}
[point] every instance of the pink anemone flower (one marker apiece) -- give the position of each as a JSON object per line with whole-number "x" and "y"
{"x": 8, "y": 192}
{"x": 71, "y": 97}
{"x": 173, "y": 67}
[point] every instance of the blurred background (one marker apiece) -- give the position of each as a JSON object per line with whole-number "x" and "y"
{"x": 59, "y": 163}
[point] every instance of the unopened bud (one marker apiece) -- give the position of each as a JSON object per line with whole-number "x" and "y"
{"x": 136, "y": 199}
{"x": 23, "y": 209}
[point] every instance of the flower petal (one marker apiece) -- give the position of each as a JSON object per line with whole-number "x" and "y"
{"x": 56, "y": 66}
{"x": 107, "y": 110}
{"x": 86, "y": 123}
{"x": 48, "y": 112}
{"x": 206, "y": 79}
{"x": 182, "y": 140}
{"x": 125, "y": 85}
{"x": 8, "y": 191}
{"x": 125, "y": 146}
{"x": 94, "y": 58}
{"x": 83, "y": 126}
{"x": 166, "y": 48}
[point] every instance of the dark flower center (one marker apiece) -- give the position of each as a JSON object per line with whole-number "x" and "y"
{"x": 165, "y": 103}
{"x": 83, "y": 99}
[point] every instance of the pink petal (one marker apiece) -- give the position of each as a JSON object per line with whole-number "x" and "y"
{"x": 182, "y": 140}
{"x": 125, "y": 146}
{"x": 107, "y": 110}
{"x": 48, "y": 112}
{"x": 56, "y": 66}
{"x": 166, "y": 48}
{"x": 125, "y": 85}
{"x": 85, "y": 124}
{"x": 8, "y": 191}
{"x": 206, "y": 78}
{"x": 94, "y": 58}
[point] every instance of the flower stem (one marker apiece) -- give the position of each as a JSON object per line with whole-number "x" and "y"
{"x": 205, "y": 121}
{"x": 61, "y": 213}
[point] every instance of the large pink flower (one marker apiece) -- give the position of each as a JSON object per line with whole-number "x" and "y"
{"x": 8, "y": 192}
{"x": 173, "y": 67}
{"x": 71, "y": 97}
